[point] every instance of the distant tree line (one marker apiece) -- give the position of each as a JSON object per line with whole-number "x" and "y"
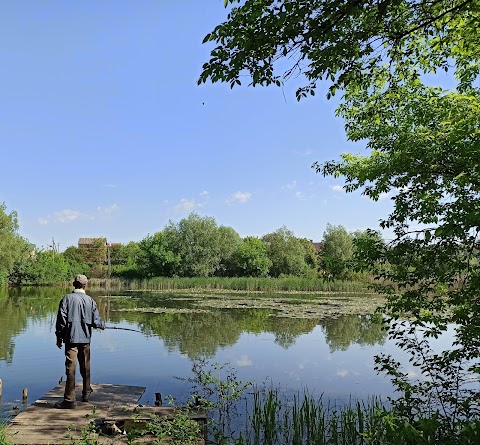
{"x": 195, "y": 246}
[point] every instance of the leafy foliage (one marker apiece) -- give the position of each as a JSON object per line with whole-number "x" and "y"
{"x": 337, "y": 251}
{"x": 157, "y": 256}
{"x": 197, "y": 247}
{"x": 425, "y": 146}
{"x": 216, "y": 388}
{"x": 32, "y": 267}
{"x": 251, "y": 258}
{"x": 286, "y": 252}
{"x": 424, "y": 151}
{"x": 344, "y": 42}
{"x": 11, "y": 243}
{"x": 179, "y": 429}
{"x": 202, "y": 247}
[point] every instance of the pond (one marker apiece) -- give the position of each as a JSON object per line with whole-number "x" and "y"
{"x": 294, "y": 342}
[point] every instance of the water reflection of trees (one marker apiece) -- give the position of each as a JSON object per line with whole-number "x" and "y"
{"x": 201, "y": 334}
{"x": 17, "y": 307}
{"x": 342, "y": 332}
{"x": 196, "y": 334}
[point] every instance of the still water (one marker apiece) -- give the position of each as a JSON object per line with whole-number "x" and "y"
{"x": 333, "y": 357}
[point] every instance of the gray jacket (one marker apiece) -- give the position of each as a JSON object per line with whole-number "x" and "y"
{"x": 77, "y": 314}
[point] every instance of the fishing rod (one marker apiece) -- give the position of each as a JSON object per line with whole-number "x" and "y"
{"x": 122, "y": 329}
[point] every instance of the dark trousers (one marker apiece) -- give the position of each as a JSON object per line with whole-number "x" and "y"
{"x": 74, "y": 352}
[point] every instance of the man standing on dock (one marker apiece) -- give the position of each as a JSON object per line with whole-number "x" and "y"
{"x": 77, "y": 315}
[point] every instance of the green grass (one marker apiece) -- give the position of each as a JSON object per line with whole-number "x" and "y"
{"x": 246, "y": 284}
{"x": 275, "y": 420}
{"x": 3, "y": 437}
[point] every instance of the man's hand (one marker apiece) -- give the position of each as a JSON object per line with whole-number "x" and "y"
{"x": 59, "y": 343}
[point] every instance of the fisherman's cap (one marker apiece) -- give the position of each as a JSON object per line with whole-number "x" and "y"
{"x": 81, "y": 279}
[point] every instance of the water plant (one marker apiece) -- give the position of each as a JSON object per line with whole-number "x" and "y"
{"x": 89, "y": 432}
{"x": 216, "y": 389}
{"x": 274, "y": 419}
{"x": 178, "y": 429}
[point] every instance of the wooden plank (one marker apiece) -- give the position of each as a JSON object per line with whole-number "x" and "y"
{"x": 42, "y": 423}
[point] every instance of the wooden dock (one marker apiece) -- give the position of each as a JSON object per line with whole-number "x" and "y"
{"x": 109, "y": 405}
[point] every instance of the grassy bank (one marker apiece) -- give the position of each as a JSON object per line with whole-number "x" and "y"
{"x": 246, "y": 284}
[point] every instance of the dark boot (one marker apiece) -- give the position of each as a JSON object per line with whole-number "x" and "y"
{"x": 65, "y": 405}
{"x": 86, "y": 395}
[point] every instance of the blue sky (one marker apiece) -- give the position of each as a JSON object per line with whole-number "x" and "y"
{"x": 104, "y": 132}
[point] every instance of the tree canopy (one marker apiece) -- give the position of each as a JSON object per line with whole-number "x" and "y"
{"x": 251, "y": 258}
{"x": 342, "y": 41}
{"x": 423, "y": 151}
{"x": 11, "y": 243}
{"x": 286, "y": 252}
{"x": 337, "y": 250}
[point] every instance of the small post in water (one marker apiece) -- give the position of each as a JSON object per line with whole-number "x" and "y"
{"x": 24, "y": 396}
{"x": 158, "y": 399}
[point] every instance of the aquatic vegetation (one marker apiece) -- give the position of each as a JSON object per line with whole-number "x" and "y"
{"x": 248, "y": 284}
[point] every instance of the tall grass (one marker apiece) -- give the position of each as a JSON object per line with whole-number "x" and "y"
{"x": 273, "y": 420}
{"x": 3, "y": 436}
{"x": 246, "y": 284}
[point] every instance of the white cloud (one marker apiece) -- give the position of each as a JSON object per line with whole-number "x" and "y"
{"x": 336, "y": 188}
{"x": 204, "y": 194}
{"x": 290, "y": 186}
{"x": 62, "y": 216}
{"x": 244, "y": 361}
{"x": 300, "y": 195}
{"x": 304, "y": 153}
{"x": 187, "y": 205}
{"x": 66, "y": 215}
{"x": 308, "y": 190}
{"x": 239, "y": 198}
{"x": 110, "y": 210}
{"x": 70, "y": 215}
{"x": 342, "y": 373}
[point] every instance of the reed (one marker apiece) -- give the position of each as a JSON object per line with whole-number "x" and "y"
{"x": 305, "y": 420}
{"x": 245, "y": 284}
